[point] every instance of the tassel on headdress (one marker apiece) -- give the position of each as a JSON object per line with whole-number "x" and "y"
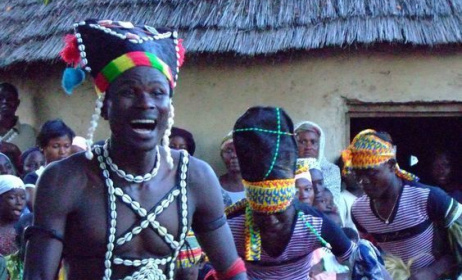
{"x": 73, "y": 76}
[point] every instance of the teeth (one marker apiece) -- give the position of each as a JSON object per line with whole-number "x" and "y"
{"x": 143, "y": 121}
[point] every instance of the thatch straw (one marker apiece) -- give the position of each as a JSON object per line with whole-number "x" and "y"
{"x": 32, "y": 31}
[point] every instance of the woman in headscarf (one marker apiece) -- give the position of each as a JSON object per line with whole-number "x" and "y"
{"x": 311, "y": 143}
{"x": 12, "y": 203}
{"x": 231, "y": 181}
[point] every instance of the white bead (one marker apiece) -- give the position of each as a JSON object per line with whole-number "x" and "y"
{"x": 128, "y": 237}
{"x": 126, "y": 198}
{"x": 118, "y": 261}
{"x": 137, "y": 230}
{"x": 128, "y": 262}
{"x": 142, "y": 212}
{"x": 136, "y": 205}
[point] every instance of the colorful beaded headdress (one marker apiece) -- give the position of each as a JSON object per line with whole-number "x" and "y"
{"x": 106, "y": 49}
{"x": 267, "y": 153}
{"x": 368, "y": 150}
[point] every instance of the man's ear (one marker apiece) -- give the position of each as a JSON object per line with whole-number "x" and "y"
{"x": 392, "y": 165}
{"x": 17, "y": 104}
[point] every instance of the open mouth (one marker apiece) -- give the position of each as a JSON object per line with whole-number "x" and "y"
{"x": 143, "y": 126}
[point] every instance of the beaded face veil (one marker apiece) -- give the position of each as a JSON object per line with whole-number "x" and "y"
{"x": 106, "y": 49}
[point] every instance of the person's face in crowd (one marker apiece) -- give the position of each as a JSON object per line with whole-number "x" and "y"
{"x": 6, "y": 167}
{"x": 317, "y": 181}
{"x": 308, "y": 144}
{"x": 228, "y": 154}
{"x": 12, "y": 203}
{"x": 57, "y": 148}
{"x": 441, "y": 170}
{"x": 305, "y": 192}
{"x": 273, "y": 224}
{"x": 9, "y": 102}
{"x": 325, "y": 202}
{"x": 376, "y": 181}
{"x": 178, "y": 143}
{"x": 33, "y": 161}
{"x": 137, "y": 106}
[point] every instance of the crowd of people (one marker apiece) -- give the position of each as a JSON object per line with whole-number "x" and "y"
{"x": 139, "y": 205}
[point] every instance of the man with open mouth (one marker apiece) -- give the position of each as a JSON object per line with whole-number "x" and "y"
{"x": 122, "y": 210}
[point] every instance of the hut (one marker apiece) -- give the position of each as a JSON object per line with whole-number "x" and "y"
{"x": 344, "y": 64}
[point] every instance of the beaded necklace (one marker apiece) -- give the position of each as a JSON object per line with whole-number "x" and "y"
{"x": 129, "y": 177}
{"x": 149, "y": 267}
{"x": 9, "y": 135}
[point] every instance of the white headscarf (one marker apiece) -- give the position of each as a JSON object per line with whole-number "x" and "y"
{"x": 9, "y": 182}
{"x": 330, "y": 172}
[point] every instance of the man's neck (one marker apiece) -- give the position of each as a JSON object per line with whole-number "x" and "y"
{"x": 393, "y": 191}
{"x": 232, "y": 182}
{"x": 7, "y": 123}
{"x": 133, "y": 161}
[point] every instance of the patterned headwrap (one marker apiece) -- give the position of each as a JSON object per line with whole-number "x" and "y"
{"x": 368, "y": 150}
{"x": 227, "y": 139}
{"x": 303, "y": 169}
{"x": 106, "y": 49}
{"x": 266, "y": 148}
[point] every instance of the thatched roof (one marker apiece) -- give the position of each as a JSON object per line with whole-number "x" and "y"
{"x": 32, "y": 31}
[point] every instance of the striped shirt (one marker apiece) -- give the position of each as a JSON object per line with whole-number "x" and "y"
{"x": 294, "y": 261}
{"x": 411, "y": 231}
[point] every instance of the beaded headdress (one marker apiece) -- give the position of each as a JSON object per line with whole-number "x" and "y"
{"x": 106, "y": 49}
{"x": 368, "y": 150}
{"x": 267, "y": 153}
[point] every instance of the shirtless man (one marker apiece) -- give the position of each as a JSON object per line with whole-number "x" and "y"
{"x": 109, "y": 224}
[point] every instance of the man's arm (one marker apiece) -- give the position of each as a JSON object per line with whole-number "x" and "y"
{"x": 209, "y": 223}
{"x": 53, "y": 202}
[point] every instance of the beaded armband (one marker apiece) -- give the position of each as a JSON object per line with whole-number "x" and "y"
{"x": 33, "y": 230}
{"x": 210, "y": 226}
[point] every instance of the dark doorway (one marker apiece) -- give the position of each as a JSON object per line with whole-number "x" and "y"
{"x": 417, "y": 136}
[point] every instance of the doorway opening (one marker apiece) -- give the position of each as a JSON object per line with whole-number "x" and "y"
{"x": 417, "y": 129}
